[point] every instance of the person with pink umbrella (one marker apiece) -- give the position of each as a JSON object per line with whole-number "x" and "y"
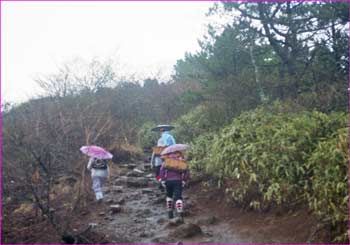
{"x": 173, "y": 175}
{"x": 98, "y": 165}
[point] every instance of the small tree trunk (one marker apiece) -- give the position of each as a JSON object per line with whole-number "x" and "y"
{"x": 263, "y": 98}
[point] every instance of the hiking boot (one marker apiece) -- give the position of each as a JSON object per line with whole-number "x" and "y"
{"x": 170, "y": 214}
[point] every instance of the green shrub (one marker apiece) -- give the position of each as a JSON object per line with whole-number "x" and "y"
{"x": 198, "y": 154}
{"x": 265, "y": 151}
{"x": 280, "y": 155}
{"x": 192, "y": 124}
{"x": 327, "y": 192}
{"x": 147, "y": 138}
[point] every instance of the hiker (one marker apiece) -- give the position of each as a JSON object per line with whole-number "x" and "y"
{"x": 99, "y": 174}
{"x": 174, "y": 179}
{"x": 165, "y": 140}
{"x": 156, "y": 161}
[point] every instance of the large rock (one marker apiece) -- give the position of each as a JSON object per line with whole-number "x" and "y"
{"x": 144, "y": 212}
{"x": 149, "y": 176}
{"x": 116, "y": 188}
{"x": 120, "y": 180}
{"x": 135, "y": 173}
{"x": 63, "y": 185}
{"x": 147, "y": 191}
{"x": 120, "y": 200}
{"x": 161, "y": 221}
{"x": 115, "y": 209}
{"x": 186, "y": 231}
{"x": 159, "y": 200}
{"x": 211, "y": 220}
{"x": 25, "y": 208}
{"x": 189, "y": 204}
{"x": 175, "y": 222}
{"x": 110, "y": 200}
{"x": 161, "y": 240}
{"x": 123, "y": 172}
{"x": 136, "y": 182}
{"x": 131, "y": 166}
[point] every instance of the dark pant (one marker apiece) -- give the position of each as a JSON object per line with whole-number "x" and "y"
{"x": 174, "y": 189}
{"x": 157, "y": 170}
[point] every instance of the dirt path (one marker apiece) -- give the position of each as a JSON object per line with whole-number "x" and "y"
{"x": 134, "y": 212}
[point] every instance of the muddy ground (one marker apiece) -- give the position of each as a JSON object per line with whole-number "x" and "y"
{"x": 133, "y": 211}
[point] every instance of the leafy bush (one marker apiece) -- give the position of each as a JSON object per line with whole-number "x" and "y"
{"x": 147, "y": 138}
{"x": 192, "y": 124}
{"x": 277, "y": 155}
{"x": 198, "y": 153}
{"x": 267, "y": 151}
{"x": 327, "y": 192}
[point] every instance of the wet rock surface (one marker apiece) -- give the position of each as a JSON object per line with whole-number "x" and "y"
{"x": 115, "y": 209}
{"x": 175, "y": 222}
{"x": 135, "y": 173}
{"x": 137, "y": 182}
{"x": 186, "y": 231}
{"x": 135, "y": 212}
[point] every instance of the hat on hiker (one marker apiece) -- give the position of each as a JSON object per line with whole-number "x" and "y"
{"x": 162, "y": 128}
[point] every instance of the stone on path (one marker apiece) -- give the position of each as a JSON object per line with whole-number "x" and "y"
{"x": 209, "y": 220}
{"x": 131, "y": 166}
{"x": 175, "y": 222}
{"x": 136, "y": 182}
{"x": 120, "y": 201}
{"x": 115, "y": 208}
{"x": 147, "y": 191}
{"x": 161, "y": 221}
{"x": 120, "y": 181}
{"x": 159, "y": 200}
{"x": 135, "y": 173}
{"x": 161, "y": 240}
{"x": 212, "y": 220}
{"x": 186, "y": 231}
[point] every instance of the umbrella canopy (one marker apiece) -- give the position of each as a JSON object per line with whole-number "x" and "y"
{"x": 174, "y": 148}
{"x": 96, "y": 151}
{"x": 165, "y": 127}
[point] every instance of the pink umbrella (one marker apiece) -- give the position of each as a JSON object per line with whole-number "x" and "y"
{"x": 96, "y": 151}
{"x": 173, "y": 148}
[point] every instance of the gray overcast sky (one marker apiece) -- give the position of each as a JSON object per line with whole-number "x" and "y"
{"x": 144, "y": 37}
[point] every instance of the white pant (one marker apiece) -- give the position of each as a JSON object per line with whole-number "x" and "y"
{"x": 97, "y": 184}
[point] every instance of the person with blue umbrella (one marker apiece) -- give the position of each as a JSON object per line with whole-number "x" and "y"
{"x": 166, "y": 139}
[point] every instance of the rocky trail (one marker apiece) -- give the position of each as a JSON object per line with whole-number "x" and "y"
{"x": 133, "y": 211}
